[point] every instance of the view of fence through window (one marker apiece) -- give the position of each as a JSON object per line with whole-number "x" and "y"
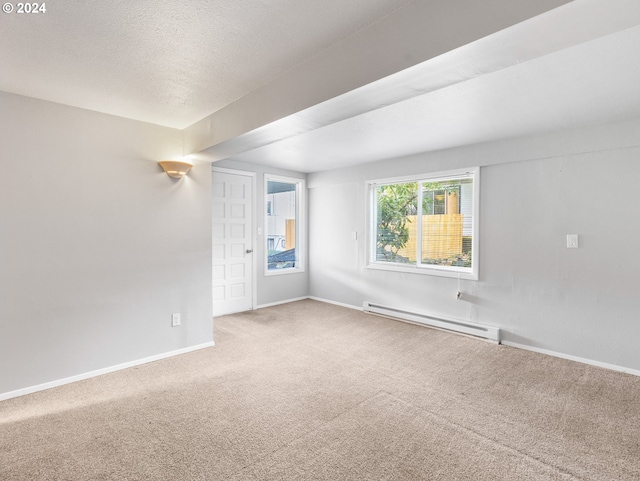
{"x": 281, "y": 225}
{"x": 428, "y": 223}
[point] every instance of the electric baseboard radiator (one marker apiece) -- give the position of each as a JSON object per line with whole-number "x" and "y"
{"x": 487, "y": 332}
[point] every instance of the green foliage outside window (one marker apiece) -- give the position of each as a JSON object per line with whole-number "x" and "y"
{"x": 394, "y": 203}
{"x": 426, "y": 223}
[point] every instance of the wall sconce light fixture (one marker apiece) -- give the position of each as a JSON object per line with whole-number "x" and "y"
{"x": 175, "y": 168}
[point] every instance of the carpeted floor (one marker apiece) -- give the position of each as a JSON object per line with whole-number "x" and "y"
{"x": 312, "y": 391}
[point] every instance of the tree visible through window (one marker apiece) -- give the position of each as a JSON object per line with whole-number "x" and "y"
{"x": 426, "y": 223}
{"x": 396, "y": 205}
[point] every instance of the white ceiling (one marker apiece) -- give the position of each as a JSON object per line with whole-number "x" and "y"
{"x": 168, "y": 62}
{"x": 174, "y": 63}
{"x": 594, "y": 82}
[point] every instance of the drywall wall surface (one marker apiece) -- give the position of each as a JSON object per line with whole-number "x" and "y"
{"x": 577, "y": 302}
{"x": 593, "y": 138}
{"x": 581, "y": 301}
{"x": 98, "y": 246}
{"x": 274, "y": 288}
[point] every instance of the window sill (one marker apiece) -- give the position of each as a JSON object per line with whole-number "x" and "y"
{"x": 280, "y": 272}
{"x": 424, "y": 270}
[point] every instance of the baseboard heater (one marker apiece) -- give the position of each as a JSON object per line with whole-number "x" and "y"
{"x": 486, "y": 332}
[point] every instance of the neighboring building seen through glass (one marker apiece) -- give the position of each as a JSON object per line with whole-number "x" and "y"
{"x": 425, "y": 223}
{"x": 281, "y": 225}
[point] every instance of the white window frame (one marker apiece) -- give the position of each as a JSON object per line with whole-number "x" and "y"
{"x": 428, "y": 269}
{"x": 300, "y": 225}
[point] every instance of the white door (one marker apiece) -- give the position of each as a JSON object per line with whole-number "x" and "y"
{"x": 232, "y": 212}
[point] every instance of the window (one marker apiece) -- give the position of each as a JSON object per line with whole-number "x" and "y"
{"x": 284, "y": 224}
{"x": 426, "y": 224}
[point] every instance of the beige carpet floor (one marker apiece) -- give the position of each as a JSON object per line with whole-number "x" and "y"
{"x": 312, "y": 391}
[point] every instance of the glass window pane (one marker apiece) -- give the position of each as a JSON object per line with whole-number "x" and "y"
{"x": 426, "y": 225}
{"x": 396, "y": 211}
{"x": 447, "y": 222}
{"x": 281, "y": 225}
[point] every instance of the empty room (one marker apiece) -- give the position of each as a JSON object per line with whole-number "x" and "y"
{"x": 320, "y": 240}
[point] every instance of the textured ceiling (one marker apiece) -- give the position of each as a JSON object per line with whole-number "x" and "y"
{"x": 311, "y": 85}
{"x": 168, "y": 62}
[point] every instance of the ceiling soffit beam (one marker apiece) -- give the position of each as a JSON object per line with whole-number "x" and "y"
{"x": 413, "y": 35}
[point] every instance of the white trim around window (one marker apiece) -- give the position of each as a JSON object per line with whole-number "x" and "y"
{"x": 280, "y": 232}
{"x": 384, "y": 257}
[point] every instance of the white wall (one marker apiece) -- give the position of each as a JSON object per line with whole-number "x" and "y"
{"x": 534, "y": 191}
{"x": 274, "y": 288}
{"x": 98, "y": 246}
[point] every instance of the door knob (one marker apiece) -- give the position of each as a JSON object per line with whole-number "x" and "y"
{"x": 249, "y": 251}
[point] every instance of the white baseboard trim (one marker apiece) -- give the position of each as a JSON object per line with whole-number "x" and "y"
{"x": 277, "y": 303}
{"x": 612, "y": 367}
{"x": 99, "y": 372}
{"x": 313, "y": 298}
{"x": 336, "y": 303}
{"x": 591, "y": 362}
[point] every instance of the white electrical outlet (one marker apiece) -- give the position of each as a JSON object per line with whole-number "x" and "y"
{"x": 175, "y": 319}
{"x": 572, "y": 241}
